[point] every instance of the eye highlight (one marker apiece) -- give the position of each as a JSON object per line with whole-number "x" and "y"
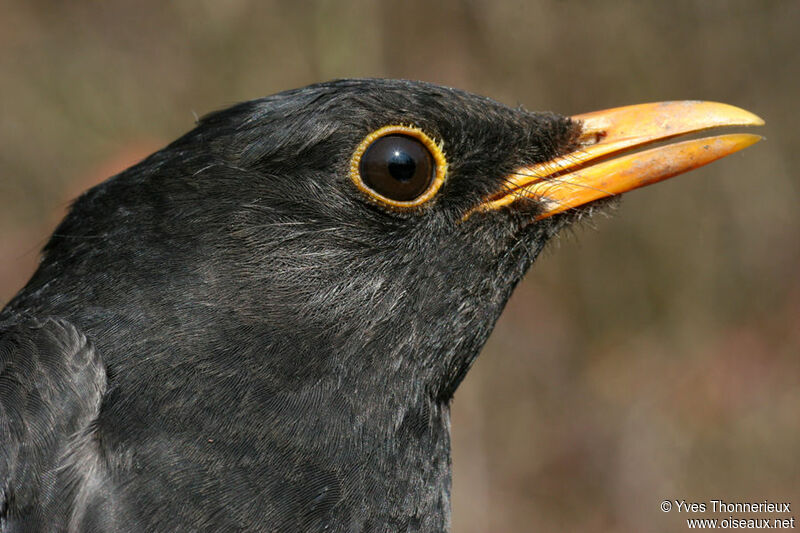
{"x": 398, "y": 166}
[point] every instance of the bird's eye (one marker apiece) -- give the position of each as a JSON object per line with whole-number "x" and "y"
{"x": 398, "y": 166}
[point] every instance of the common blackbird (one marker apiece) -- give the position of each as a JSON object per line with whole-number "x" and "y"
{"x": 260, "y": 327}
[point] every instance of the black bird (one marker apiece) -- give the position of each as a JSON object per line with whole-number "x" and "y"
{"x": 260, "y": 327}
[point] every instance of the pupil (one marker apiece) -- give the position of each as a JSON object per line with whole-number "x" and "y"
{"x": 402, "y": 166}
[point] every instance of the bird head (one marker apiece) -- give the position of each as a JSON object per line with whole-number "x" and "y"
{"x": 367, "y": 229}
{"x": 285, "y": 299}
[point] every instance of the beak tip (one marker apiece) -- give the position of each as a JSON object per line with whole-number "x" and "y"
{"x": 730, "y": 115}
{"x": 749, "y": 139}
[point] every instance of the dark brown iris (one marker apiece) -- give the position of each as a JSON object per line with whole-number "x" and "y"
{"x": 397, "y": 167}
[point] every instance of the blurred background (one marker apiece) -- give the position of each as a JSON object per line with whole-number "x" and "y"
{"x": 650, "y": 355}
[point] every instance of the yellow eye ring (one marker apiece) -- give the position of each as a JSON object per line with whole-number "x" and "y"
{"x": 434, "y": 150}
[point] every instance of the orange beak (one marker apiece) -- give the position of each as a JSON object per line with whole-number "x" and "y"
{"x": 597, "y": 169}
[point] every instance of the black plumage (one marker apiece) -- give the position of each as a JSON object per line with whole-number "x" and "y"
{"x": 231, "y": 336}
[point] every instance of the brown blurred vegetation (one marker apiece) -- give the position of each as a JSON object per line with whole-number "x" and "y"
{"x": 652, "y": 355}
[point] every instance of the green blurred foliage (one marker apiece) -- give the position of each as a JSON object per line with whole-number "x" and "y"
{"x": 649, "y": 355}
